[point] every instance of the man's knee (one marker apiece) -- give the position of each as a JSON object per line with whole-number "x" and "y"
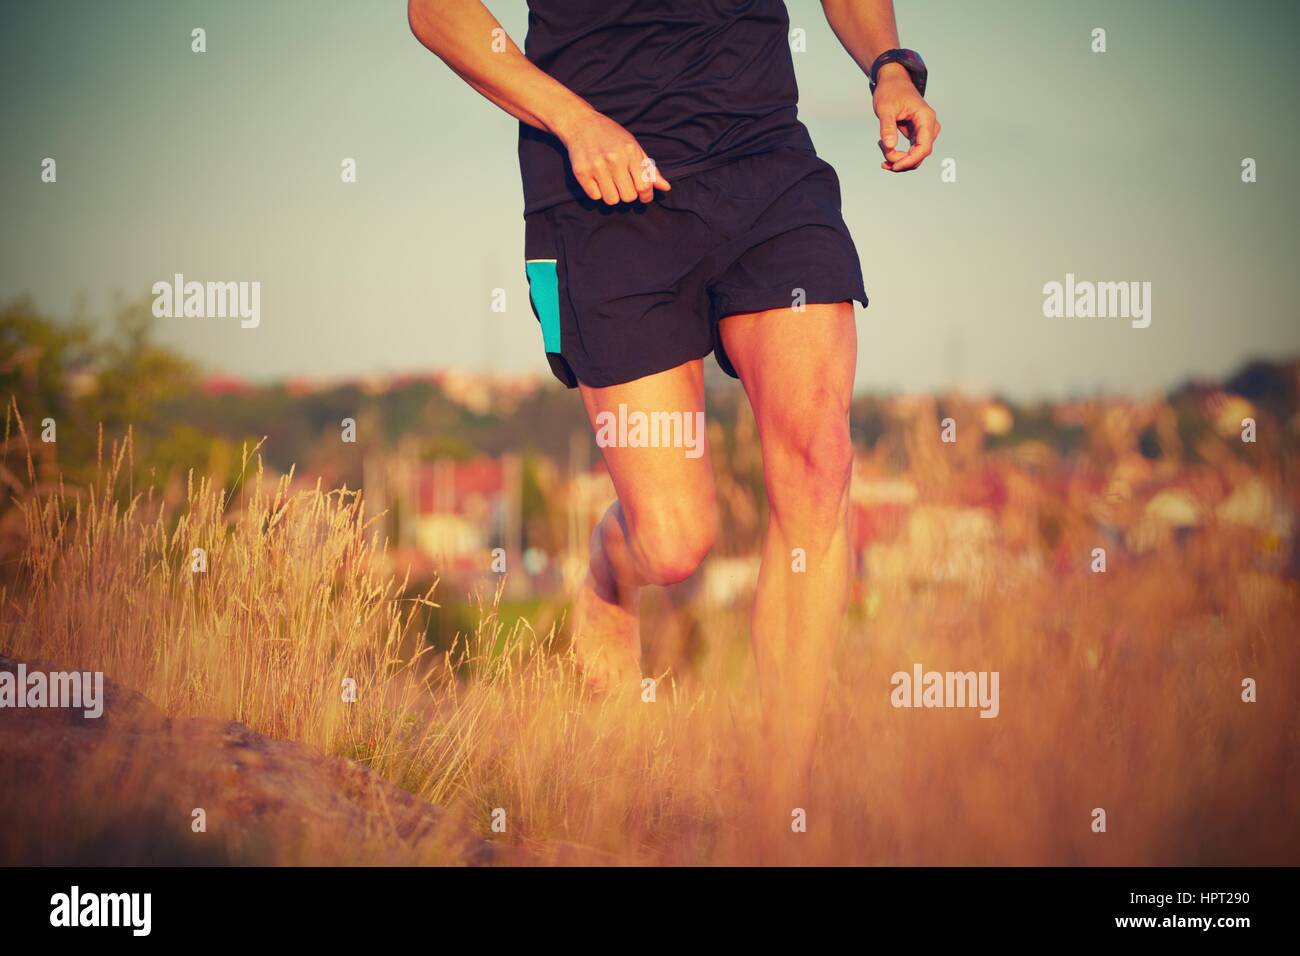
{"x": 811, "y": 458}
{"x": 669, "y": 546}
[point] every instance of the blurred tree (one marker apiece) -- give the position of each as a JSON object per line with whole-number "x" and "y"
{"x": 135, "y": 376}
{"x": 61, "y": 370}
{"x": 41, "y": 362}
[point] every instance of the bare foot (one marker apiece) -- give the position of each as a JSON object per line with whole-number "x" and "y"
{"x": 606, "y": 638}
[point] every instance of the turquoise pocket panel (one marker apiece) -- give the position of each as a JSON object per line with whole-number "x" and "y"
{"x": 544, "y": 289}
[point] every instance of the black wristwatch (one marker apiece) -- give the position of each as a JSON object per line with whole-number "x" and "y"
{"x": 910, "y": 61}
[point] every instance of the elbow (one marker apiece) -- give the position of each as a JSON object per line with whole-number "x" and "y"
{"x": 416, "y": 15}
{"x": 427, "y": 23}
{"x": 411, "y": 15}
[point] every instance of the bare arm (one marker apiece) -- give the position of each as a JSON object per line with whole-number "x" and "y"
{"x": 867, "y": 29}
{"x": 607, "y": 161}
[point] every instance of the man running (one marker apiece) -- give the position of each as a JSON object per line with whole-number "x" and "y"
{"x": 675, "y": 206}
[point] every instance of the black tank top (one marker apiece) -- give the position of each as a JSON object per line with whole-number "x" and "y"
{"x": 699, "y": 83}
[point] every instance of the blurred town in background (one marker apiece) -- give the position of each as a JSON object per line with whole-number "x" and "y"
{"x": 478, "y": 480}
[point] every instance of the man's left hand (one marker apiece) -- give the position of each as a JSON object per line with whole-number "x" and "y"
{"x": 901, "y": 108}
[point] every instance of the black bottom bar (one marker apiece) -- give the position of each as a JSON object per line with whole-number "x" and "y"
{"x": 333, "y": 906}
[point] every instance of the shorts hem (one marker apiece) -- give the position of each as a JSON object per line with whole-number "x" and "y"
{"x": 605, "y": 379}
{"x": 762, "y": 301}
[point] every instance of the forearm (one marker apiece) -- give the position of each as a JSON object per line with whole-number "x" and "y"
{"x": 462, "y": 33}
{"x": 866, "y": 28}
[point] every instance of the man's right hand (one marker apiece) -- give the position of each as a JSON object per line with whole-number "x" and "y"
{"x": 608, "y": 162}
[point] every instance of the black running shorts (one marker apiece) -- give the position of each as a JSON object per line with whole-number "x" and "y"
{"x": 626, "y": 291}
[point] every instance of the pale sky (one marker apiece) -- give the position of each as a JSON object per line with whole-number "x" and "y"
{"x": 1115, "y": 166}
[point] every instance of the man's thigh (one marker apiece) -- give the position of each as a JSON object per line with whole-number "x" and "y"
{"x": 652, "y": 437}
{"x": 797, "y": 366}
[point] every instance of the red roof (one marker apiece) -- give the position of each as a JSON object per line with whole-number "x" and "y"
{"x": 221, "y": 384}
{"x": 482, "y": 477}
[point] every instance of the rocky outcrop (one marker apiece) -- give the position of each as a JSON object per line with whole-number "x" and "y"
{"x": 131, "y": 787}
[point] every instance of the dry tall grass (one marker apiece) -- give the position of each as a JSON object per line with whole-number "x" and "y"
{"x": 1119, "y": 691}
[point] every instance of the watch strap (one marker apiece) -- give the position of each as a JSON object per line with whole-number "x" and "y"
{"x": 910, "y": 60}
